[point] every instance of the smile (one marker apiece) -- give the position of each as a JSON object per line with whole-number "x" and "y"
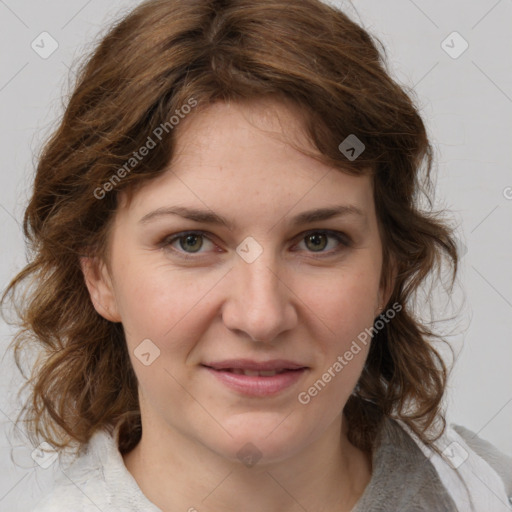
{"x": 257, "y": 383}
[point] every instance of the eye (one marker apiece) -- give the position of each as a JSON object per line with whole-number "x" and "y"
{"x": 318, "y": 241}
{"x": 188, "y": 243}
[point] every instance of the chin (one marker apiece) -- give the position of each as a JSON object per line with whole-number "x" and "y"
{"x": 259, "y": 445}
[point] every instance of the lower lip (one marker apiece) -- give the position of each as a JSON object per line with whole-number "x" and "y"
{"x": 257, "y": 385}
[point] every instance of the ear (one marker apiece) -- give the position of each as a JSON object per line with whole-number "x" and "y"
{"x": 101, "y": 290}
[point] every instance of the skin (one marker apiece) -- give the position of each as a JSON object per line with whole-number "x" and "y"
{"x": 295, "y": 301}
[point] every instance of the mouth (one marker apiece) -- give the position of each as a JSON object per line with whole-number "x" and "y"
{"x": 256, "y": 379}
{"x": 254, "y": 368}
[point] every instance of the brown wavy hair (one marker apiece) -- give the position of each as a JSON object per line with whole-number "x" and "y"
{"x": 150, "y": 64}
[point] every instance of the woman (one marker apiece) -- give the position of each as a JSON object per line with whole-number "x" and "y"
{"x": 227, "y": 242}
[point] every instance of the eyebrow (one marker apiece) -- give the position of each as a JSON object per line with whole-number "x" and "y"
{"x": 209, "y": 217}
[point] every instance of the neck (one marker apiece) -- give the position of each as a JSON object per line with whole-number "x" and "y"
{"x": 176, "y": 473}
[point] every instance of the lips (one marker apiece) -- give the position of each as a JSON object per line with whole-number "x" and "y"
{"x": 257, "y": 378}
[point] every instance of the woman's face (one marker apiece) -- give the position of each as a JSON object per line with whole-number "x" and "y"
{"x": 274, "y": 285}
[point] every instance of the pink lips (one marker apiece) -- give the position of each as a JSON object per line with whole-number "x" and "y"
{"x": 256, "y": 385}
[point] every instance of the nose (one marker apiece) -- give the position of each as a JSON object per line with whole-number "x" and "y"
{"x": 260, "y": 305}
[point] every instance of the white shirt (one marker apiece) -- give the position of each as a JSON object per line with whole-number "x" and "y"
{"x": 473, "y": 476}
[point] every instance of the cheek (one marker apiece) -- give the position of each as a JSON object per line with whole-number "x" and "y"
{"x": 345, "y": 305}
{"x": 160, "y": 301}
{"x": 345, "y": 300}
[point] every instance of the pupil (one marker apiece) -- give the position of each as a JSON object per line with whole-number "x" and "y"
{"x": 190, "y": 239}
{"x": 317, "y": 240}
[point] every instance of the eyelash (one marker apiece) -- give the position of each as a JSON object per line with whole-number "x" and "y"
{"x": 340, "y": 237}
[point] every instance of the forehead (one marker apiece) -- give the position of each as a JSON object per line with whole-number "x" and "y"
{"x": 246, "y": 157}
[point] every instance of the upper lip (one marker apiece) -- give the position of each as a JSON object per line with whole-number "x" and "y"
{"x": 248, "y": 364}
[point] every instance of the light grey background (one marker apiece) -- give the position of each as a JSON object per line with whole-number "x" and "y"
{"x": 467, "y": 105}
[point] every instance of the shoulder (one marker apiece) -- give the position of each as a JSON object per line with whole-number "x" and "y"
{"x": 73, "y": 492}
{"x": 97, "y": 480}
{"x": 497, "y": 460}
{"x": 477, "y": 475}
{"x": 77, "y": 496}
{"x": 80, "y": 486}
